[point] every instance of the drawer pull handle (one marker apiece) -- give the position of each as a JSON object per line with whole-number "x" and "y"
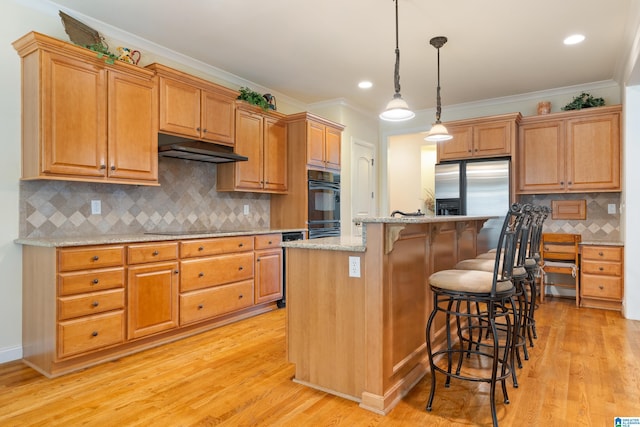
{"x": 200, "y": 306}
{"x": 201, "y": 274}
{"x": 270, "y": 242}
{"x": 241, "y": 245}
{"x": 600, "y": 268}
{"x": 156, "y": 253}
{"x": 600, "y": 253}
{"x": 601, "y": 287}
{"x": 241, "y": 268}
{"x": 95, "y": 303}
{"x": 201, "y": 248}
{"x": 240, "y": 296}
{"x": 95, "y": 257}
{"x": 95, "y": 281}
{"x": 94, "y": 333}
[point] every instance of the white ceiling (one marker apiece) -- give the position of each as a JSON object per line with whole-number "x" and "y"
{"x": 316, "y": 51}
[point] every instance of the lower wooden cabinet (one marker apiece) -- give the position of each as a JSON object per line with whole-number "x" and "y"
{"x": 601, "y": 276}
{"x": 90, "y": 304}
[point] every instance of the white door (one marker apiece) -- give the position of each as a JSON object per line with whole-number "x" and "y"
{"x": 363, "y": 183}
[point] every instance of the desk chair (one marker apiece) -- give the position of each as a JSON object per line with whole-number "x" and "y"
{"x": 559, "y": 254}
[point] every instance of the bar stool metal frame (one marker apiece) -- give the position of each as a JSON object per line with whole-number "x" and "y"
{"x": 495, "y": 292}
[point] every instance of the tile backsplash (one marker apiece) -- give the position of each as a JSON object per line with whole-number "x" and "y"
{"x": 599, "y": 225}
{"x": 186, "y": 200}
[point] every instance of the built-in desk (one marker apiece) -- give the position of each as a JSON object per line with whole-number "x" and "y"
{"x": 363, "y": 337}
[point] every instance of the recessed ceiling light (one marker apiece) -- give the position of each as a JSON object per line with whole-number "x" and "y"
{"x": 365, "y": 84}
{"x": 574, "y": 39}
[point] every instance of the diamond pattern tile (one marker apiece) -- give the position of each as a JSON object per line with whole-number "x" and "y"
{"x": 599, "y": 224}
{"x": 186, "y": 199}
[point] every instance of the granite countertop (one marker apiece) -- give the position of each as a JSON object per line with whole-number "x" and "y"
{"x": 342, "y": 243}
{"x": 140, "y": 237}
{"x": 424, "y": 219}
{"x": 601, "y": 243}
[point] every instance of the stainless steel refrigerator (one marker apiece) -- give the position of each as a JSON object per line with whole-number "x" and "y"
{"x": 475, "y": 187}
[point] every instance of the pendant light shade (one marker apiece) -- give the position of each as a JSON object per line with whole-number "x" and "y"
{"x": 397, "y": 109}
{"x": 438, "y": 131}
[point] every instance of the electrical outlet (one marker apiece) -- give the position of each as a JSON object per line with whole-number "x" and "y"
{"x": 96, "y": 207}
{"x": 611, "y": 208}
{"x": 354, "y": 266}
{"x": 246, "y": 209}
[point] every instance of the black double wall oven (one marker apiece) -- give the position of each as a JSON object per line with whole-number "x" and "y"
{"x": 324, "y": 204}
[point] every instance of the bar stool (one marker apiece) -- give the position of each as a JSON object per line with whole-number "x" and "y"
{"x": 454, "y": 292}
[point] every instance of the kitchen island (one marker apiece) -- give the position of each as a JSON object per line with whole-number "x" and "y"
{"x": 358, "y": 306}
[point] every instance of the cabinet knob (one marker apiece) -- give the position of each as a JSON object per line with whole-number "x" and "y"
{"x": 561, "y": 182}
{"x": 201, "y": 274}
{"x": 95, "y": 258}
{"x": 241, "y": 245}
{"x": 601, "y": 287}
{"x": 200, "y": 306}
{"x": 601, "y": 268}
{"x": 113, "y": 167}
{"x": 569, "y": 183}
{"x": 205, "y": 131}
{"x": 600, "y": 253}
{"x": 94, "y": 333}
{"x": 156, "y": 253}
{"x": 469, "y": 150}
{"x": 270, "y": 242}
{"x": 175, "y": 271}
{"x": 198, "y": 129}
{"x": 95, "y": 303}
{"x": 103, "y": 166}
{"x": 95, "y": 281}
{"x": 258, "y": 260}
{"x": 240, "y": 296}
{"x": 201, "y": 248}
{"x": 241, "y": 268}
{"x": 476, "y": 150}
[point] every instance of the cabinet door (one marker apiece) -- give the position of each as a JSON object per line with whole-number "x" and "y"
{"x": 315, "y": 144}
{"x": 218, "y": 118}
{"x": 332, "y": 148}
{"x": 492, "y": 139}
{"x": 74, "y": 117}
{"x": 152, "y": 299}
{"x": 541, "y": 157}
{"x": 593, "y": 153}
{"x": 249, "y": 135}
{"x": 133, "y": 139}
{"x": 179, "y": 108}
{"x": 275, "y": 155}
{"x": 459, "y": 147}
{"x": 268, "y": 275}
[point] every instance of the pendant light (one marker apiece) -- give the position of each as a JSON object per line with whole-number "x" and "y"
{"x": 438, "y": 132}
{"x": 397, "y": 109}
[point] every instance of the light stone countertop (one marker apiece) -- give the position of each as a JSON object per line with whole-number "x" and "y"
{"x": 138, "y": 238}
{"x": 602, "y": 243}
{"x": 342, "y": 243}
{"x": 424, "y": 219}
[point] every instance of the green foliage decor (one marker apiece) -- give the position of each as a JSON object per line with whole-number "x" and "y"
{"x": 253, "y": 97}
{"x": 103, "y": 51}
{"x": 584, "y": 100}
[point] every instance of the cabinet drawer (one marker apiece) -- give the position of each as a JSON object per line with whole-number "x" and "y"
{"x": 86, "y": 258}
{"x": 602, "y": 253}
{"x": 268, "y": 241}
{"x": 601, "y": 286}
{"x": 90, "y": 333}
{"x": 605, "y": 268}
{"x": 207, "y": 303}
{"x": 90, "y": 281}
{"x": 139, "y": 254}
{"x": 217, "y": 246}
{"x": 205, "y": 272}
{"x": 93, "y": 303}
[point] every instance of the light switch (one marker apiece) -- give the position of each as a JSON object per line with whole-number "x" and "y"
{"x": 611, "y": 208}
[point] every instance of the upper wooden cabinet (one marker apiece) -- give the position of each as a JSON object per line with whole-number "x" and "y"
{"x": 323, "y": 144}
{"x": 493, "y": 136}
{"x": 195, "y": 108}
{"x": 84, "y": 119}
{"x": 262, "y": 137}
{"x": 575, "y": 151}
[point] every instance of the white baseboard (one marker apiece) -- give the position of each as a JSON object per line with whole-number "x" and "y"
{"x": 9, "y": 354}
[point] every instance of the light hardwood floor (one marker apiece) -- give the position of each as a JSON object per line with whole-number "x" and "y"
{"x": 583, "y": 371}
